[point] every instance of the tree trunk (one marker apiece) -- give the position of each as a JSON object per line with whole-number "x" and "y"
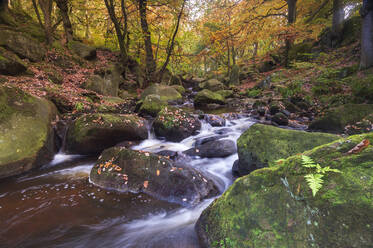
{"x": 64, "y": 8}
{"x": 120, "y": 36}
{"x": 366, "y": 59}
{"x": 292, "y": 15}
{"x": 338, "y": 19}
{"x": 149, "y": 60}
{"x": 4, "y": 5}
{"x": 46, "y": 8}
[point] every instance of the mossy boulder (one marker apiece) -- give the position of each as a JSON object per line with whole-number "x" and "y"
{"x": 82, "y": 50}
{"x": 152, "y": 105}
{"x": 26, "y": 132}
{"x": 225, "y": 93}
{"x": 23, "y": 45}
{"x": 10, "y": 64}
{"x": 261, "y": 145}
{"x": 179, "y": 89}
{"x": 204, "y": 97}
{"x": 92, "y": 133}
{"x": 212, "y": 84}
{"x": 336, "y": 119}
{"x": 126, "y": 170}
{"x": 166, "y": 93}
{"x": 175, "y": 124}
{"x": 274, "y": 207}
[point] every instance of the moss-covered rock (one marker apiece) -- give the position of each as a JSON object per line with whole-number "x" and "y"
{"x": 179, "y": 88}
{"x": 92, "y": 133}
{"x": 26, "y": 133}
{"x": 175, "y": 124}
{"x": 336, "y": 119}
{"x": 152, "y": 105}
{"x": 212, "y": 84}
{"x": 204, "y": 97}
{"x": 225, "y": 93}
{"x": 10, "y": 64}
{"x": 139, "y": 172}
{"x": 23, "y": 45}
{"x": 274, "y": 207}
{"x": 82, "y": 50}
{"x": 261, "y": 145}
{"x": 166, "y": 93}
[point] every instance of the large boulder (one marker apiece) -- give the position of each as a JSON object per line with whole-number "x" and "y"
{"x": 205, "y": 97}
{"x": 261, "y": 146}
{"x": 152, "y": 105}
{"x": 274, "y": 207}
{"x": 82, "y": 50}
{"x": 22, "y": 45}
{"x": 26, "y": 132}
{"x": 140, "y": 172}
{"x": 166, "y": 93}
{"x": 212, "y": 84}
{"x": 175, "y": 124}
{"x": 10, "y": 65}
{"x": 91, "y": 134}
{"x": 336, "y": 119}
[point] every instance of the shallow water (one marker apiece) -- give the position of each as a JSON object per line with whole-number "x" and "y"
{"x": 58, "y": 207}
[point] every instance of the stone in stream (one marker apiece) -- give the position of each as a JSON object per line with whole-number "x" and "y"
{"x": 261, "y": 145}
{"x": 175, "y": 124}
{"x": 168, "y": 153}
{"x": 92, "y": 133}
{"x": 280, "y": 119}
{"x": 27, "y": 138}
{"x": 126, "y": 170}
{"x": 274, "y": 207}
{"x": 212, "y": 84}
{"x": 152, "y": 105}
{"x": 213, "y": 149}
{"x": 166, "y": 93}
{"x": 205, "y": 97}
{"x": 215, "y": 120}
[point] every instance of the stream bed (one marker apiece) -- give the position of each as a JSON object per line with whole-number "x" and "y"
{"x": 57, "y": 206}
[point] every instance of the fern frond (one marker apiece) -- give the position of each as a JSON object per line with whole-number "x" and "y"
{"x": 308, "y": 162}
{"x": 328, "y": 169}
{"x": 315, "y": 182}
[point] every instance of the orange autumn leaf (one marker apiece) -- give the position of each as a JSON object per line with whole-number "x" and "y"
{"x": 146, "y": 183}
{"x": 99, "y": 171}
{"x": 359, "y": 147}
{"x": 158, "y": 172}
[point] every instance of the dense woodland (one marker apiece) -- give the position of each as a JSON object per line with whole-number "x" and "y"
{"x": 186, "y": 123}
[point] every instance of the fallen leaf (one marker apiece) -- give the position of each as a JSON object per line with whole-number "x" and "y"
{"x": 158, "y": 172}
{"x": 359, "y": 147}
{"x": 146, "y": 183}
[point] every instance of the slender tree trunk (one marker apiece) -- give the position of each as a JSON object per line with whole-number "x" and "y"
{"x": 170, "y": 47}
{"x": 338, "y": 19}
{"x": 64, "y": 8}
{"x": 149, "y": 60}
{"x": 366, "y": 59}
{"x": 292, "y": 15}
{"x": 4, "y": 5}
{"x": 120, "y": 36}
{"x": 46, "y": 8}
{"x": 255, "y": 52}
{"x": 233, "y": 55}
{"x": 228, "y": 58}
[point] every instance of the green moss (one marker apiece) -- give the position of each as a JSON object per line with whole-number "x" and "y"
{"x": 206, "y": 96}
{"x": 263, "y": 145}
{"x": 152, "y": 105}
{"x": 166, "y": 93}
{"x": 273, "y": 207}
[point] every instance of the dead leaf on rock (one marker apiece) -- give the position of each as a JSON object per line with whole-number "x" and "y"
{"x": 359, "y": 147}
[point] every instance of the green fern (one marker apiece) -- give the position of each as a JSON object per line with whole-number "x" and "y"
{"x": 315, "y": 180}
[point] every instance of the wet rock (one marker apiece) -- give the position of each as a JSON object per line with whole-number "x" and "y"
{"x": 280, "y": 119}
{"x": 340, "y": 215}
{"x": 126, "y": 170}
{"x": 215, "y": 120}
{"x": 205, "y": 97}
{"x": 204, "y": 140}
{"x": 10, "y": 64}
{"x": 91, "y": 134}
{"x": 261, "y": 145}
{"x": 213, "y": 149}
{"x": 27, "y": 138}
{"x": 168, "y": 153}
{"x": 223, "y": 131}
{"x": 175, "y": 124}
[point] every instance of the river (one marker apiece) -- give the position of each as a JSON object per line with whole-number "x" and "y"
{"x": 57, "y": 206}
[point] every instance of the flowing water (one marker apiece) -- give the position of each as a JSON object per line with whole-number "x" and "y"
{"x": 58, "y": 207}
